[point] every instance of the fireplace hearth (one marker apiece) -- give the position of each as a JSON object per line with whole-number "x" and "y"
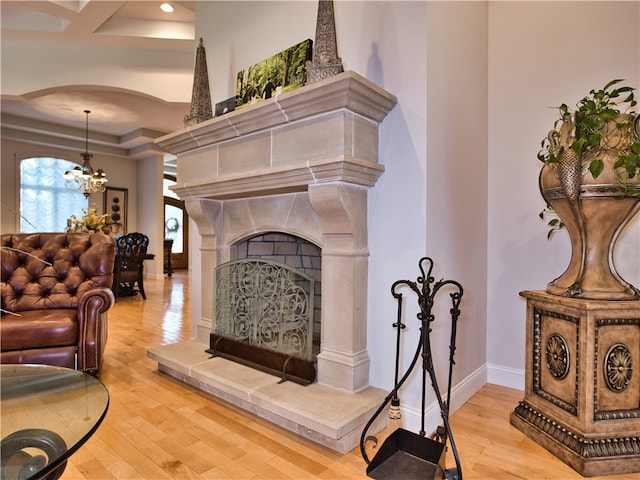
{"x": 300, "y": 164}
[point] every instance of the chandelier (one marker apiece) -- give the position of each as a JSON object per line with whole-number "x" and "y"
{"x": 84, "y": 178}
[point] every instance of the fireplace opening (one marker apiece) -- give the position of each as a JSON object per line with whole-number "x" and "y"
{"x": 268, "y": 306}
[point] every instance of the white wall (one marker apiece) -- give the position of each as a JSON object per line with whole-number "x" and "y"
{"x": 457, "y": 165}
{"x": 237, "y": 35}
{"x": 151, "y": 219}
{"x": 542, "y": 54}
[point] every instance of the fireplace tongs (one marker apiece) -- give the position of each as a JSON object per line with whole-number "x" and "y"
{"x": 405, "y": 454}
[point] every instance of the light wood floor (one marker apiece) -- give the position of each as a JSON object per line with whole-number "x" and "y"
{"x": 159, "y": 428}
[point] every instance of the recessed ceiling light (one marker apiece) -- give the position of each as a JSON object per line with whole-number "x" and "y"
{"x": 167, "y": 7}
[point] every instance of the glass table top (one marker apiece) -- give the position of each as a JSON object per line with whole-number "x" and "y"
{"x": 47, "y": 413}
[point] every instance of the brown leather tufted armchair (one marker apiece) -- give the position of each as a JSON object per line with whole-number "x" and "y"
{"x": 55, "y": 296}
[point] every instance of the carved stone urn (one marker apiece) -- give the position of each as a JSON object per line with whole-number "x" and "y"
{"x": 582, "y": 388}
{"x": 594, "y": 212}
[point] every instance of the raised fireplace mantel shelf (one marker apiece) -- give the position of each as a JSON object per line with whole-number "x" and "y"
{"x": 347, "y": 90}
{"x": 319, "y": 133}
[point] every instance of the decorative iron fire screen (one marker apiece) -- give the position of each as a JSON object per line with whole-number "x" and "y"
{"x": 267, "y": 306}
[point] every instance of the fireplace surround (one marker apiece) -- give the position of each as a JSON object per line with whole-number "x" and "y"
{"x": 301, "y": 164}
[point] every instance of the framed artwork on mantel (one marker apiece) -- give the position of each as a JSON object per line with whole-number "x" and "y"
{"x": 277, "y": 74}
{"x": 115, "y": 204}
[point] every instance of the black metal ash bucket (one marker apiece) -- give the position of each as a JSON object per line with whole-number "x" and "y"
{"x": 405, "y": 455}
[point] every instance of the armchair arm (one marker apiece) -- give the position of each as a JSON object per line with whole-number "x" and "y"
{"x": 92, "y": 323}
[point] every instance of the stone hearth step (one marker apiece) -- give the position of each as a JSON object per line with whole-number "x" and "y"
{"x": 325, "y": 415}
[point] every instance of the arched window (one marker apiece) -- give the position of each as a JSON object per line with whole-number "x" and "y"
{"x": 45, "y": 201}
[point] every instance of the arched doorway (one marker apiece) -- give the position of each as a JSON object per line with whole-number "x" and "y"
{"x": 176, "y": 225}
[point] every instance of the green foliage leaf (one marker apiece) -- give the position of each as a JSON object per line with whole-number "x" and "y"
{"x": 631, "y": 164}
{"x": 608, "y": 114}
{"x": 593, "y": 139}
{"x": 612, "y": 83}
{"x": 596, "y": 167}
{"x": 630, "y": 100}
{"x": 595, "y": 130}
{"x": 578, "y": 145}
{"x": 625, "y": 90}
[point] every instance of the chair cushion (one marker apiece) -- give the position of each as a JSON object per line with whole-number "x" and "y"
{"x": 129, "y": 276}
{"x": 38, "y": 329}
{"x": 59, "y": 356}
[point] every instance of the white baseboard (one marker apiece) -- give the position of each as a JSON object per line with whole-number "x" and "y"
{"x": 505, "y": 376}
{"x": 460, "y": 393}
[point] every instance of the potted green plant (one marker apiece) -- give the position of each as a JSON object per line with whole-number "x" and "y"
{"x": 591, "y": 180}
{"x": 90, "y": 221}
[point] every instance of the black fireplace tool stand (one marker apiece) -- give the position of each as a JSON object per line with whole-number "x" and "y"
{"x": 406, "y": 455}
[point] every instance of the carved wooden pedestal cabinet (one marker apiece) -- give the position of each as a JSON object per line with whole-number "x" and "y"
{"x": 582, "y": 382}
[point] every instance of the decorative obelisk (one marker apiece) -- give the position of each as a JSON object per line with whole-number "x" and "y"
{"x": 200, "y": 97}
{"x": 326, "y": 62}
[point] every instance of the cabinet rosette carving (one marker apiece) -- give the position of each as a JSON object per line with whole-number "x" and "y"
{"x": 557, "y": 355}
{"x": 618, "y": 367}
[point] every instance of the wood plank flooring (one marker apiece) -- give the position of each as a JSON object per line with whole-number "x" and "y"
{"x": 160, "y": 428}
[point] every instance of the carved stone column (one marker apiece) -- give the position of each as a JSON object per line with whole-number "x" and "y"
{"x": 342, "y": 211}
{"x": 207, "y": 214}
{"x": 582, "y": 384}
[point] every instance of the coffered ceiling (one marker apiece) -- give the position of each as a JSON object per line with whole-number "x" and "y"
{"x": 117, "y": 23}
{"x": 122, "y": 121}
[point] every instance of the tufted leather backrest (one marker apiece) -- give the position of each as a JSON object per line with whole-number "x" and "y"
{"x": 53, "y": 270}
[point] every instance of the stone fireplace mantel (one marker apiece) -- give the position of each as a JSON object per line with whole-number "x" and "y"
{"x": 300, "y": 163}
{"x": 325, "y": 132}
